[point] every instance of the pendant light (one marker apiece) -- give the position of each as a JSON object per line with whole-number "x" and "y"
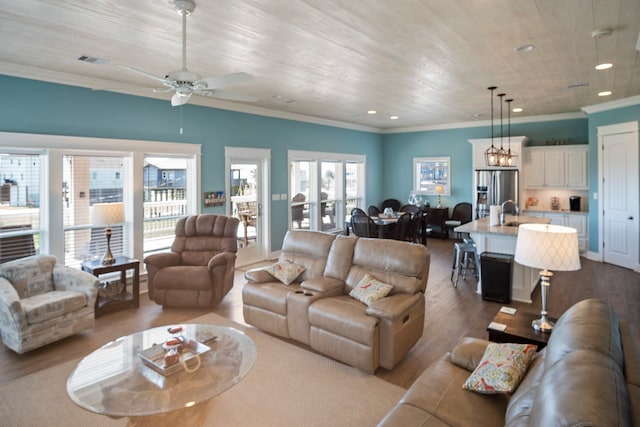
{"x": 511, "y": 156}
{"x": 491, "y": 153}
{"x": 502, "y": 153}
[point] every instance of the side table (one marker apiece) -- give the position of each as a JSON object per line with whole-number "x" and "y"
{"x": 124, "y": 299}
{"x": 518, "y": 329}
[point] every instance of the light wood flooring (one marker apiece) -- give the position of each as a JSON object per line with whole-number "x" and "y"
{"x": 450, "y": 313}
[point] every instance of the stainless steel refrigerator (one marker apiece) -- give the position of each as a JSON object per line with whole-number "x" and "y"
{"x": 494, "y": 186}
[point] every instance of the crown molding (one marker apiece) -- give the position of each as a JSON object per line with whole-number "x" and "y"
{"x": 606, "y": 106}
{"x": 482, "y": 123}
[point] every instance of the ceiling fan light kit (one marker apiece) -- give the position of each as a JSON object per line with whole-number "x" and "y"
{"x": 186, "y": 83}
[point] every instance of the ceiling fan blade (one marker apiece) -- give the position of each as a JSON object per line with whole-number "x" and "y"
{"x": 163, "y": 89}
{"x": 216, "y": 82}
{"x": 231, "y": 96}
{"x": 178, "y": 99}
{"x": 145, "y": 74}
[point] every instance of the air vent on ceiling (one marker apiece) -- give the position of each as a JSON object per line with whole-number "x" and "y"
{"x": 576, "y": 85}
{"x": 92, "y": 60}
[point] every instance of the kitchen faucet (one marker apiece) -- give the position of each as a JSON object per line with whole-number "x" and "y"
{"x": 513, "y": 210}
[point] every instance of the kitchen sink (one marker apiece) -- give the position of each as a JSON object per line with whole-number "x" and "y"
{"x": 512, "y": 224}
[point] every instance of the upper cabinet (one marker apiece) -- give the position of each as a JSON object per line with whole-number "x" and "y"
{"x": 481, "y": 145}
{"x": 562, "y": 166}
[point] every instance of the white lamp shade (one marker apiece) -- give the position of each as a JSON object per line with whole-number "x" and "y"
{"x": 548, "y": 247}
{"x": 107, "y": 214}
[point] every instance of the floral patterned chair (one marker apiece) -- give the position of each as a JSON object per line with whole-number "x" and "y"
{"x": 42, "y": 302}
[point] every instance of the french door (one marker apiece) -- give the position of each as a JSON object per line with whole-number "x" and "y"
{"x": 248, "y": 190}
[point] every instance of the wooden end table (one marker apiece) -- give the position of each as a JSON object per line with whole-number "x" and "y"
{"x": 519, "y": 329}
{"x": 124, "y": 299}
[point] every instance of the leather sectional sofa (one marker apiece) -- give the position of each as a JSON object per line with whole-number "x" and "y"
{"x": 587, "y": 375}
{"x": 316, "y": 308}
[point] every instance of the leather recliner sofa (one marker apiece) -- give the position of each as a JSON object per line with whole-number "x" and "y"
{"x": 587, "y": 375}
{"x": 317, "y": 310}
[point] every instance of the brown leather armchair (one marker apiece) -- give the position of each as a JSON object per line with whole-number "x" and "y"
{"x": 198, "y": 272}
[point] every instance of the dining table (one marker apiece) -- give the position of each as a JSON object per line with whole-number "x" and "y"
{"x": 385, "y": 223}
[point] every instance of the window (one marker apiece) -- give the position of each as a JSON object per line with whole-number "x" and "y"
{"x": 165, "y": 200}
{"x": 88, "y": 180}
{"x": 20, "y": 185}
{"x": 323, "y": 189}
{"x": 53, "y": 181}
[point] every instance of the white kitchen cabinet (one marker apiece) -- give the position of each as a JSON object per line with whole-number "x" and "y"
{"x": 481, "y": 145}
{"x": 574, "y": 220}
{"x": 556, "y": 167}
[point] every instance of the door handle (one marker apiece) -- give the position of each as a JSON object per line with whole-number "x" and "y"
{"x": 630, "y": 218}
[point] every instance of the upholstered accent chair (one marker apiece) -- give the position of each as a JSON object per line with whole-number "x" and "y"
{"x": 198, "y": 272}
{"x": 42, "y": 302}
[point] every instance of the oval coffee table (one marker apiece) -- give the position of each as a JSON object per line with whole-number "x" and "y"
{"x": 114, "y": 381}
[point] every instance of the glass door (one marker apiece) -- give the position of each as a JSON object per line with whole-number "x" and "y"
{"x": 246, "y": 203}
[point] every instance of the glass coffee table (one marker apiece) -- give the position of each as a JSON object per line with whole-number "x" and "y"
{"x": 115, "y": 381}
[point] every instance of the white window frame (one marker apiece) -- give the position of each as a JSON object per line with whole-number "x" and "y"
{"x": 53, "y": 147}
{"x": 318, "y": 157}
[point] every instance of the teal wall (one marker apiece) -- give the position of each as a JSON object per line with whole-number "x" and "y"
{"x": 400, "y": 149}
{"x": 605, "y": 118}
{"x": 37, "y": 107}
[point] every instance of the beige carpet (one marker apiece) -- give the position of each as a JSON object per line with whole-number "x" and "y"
{"x": 288, "y": 386}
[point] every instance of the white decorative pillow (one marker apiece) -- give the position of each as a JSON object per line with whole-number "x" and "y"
{"x": 501, "y": 368}
{"x": 369, "y": 290}
{"x": 285, "y": 271}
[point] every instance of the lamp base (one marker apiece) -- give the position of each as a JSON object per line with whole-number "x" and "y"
{"x": 543, "y": 324}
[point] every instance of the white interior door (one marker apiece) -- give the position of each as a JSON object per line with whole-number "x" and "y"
{"x": 248, "y": 187}
{"x": 619, "y": 191}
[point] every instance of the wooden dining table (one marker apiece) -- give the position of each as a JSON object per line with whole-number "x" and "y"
{"x": 385, "y": 224}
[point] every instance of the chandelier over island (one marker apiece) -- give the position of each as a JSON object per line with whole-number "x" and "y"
{"x": 499, "y": 157}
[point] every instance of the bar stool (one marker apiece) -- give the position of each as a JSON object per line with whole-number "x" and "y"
{"x": 465, "y": 258}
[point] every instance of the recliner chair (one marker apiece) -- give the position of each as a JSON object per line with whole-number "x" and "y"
{"x": 198, "y": 272}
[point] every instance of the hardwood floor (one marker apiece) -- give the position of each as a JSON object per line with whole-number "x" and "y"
{"x": 450, "y": 313}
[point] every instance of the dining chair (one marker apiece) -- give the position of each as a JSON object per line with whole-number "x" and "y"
{"x": 363, "y": 226}
{"x": 412, "y": 209}
{"x": 373, "y": 211}
{"x": 403, "y": 228}
{"x": 358, "y": 211}
{"x": 391, "y": 203}
{"x": 462, "y": 214}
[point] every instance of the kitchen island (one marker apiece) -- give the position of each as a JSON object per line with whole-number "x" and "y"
{"x": 502, "y": 239}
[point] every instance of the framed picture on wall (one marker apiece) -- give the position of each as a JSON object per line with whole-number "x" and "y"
{"x": 431, "y": 175}
{"x": 214, "y": 198}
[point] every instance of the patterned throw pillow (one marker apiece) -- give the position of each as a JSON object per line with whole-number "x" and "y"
{"x": 285, "y": 271}
{"x": 369, "y": 290}
{"x": 501, "y": 368}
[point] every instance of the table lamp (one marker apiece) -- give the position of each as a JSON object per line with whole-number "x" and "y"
{"x": 105, "y": 214}
{"x": 439, "y": 190}
{"x": 549, "y": 247}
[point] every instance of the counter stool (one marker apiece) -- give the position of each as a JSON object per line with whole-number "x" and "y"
{"x": 465, "y": 257}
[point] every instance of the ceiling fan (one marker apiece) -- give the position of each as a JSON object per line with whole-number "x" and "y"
{"x": 186, "y": 83}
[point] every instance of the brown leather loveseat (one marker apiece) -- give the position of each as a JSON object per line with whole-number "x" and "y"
{"x": 198, "y": 272}
{"x": 316, "y": 308}
{"x": 587, "y": 375}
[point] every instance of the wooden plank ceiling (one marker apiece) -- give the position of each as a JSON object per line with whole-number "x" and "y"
{"x": 427, "y": 61}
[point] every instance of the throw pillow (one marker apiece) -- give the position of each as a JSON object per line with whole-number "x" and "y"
{"x": 501, "y": 368}
{"x": 285, "y": 271}
{"x": 369, "y": 290}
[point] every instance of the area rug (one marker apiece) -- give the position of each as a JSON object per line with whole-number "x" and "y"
{"x": 287, "y": 386}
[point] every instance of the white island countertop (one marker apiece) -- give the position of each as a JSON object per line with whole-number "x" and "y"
{"x": 481, "y": 226}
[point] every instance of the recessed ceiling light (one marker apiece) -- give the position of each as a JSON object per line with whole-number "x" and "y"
{"x": 477, "y": 115}
{"x": 517, "y": 110}
{"x": 604, "y": 66}
{"x": 371, "y": 112}
{"x": 394, "y": 117}
{"x": 604, "y": 93}
{"x": 525, "y": 48}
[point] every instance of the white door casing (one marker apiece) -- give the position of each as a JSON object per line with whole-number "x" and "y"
{"x": 261, "y": 160}
{"x": 619, "y": 186}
